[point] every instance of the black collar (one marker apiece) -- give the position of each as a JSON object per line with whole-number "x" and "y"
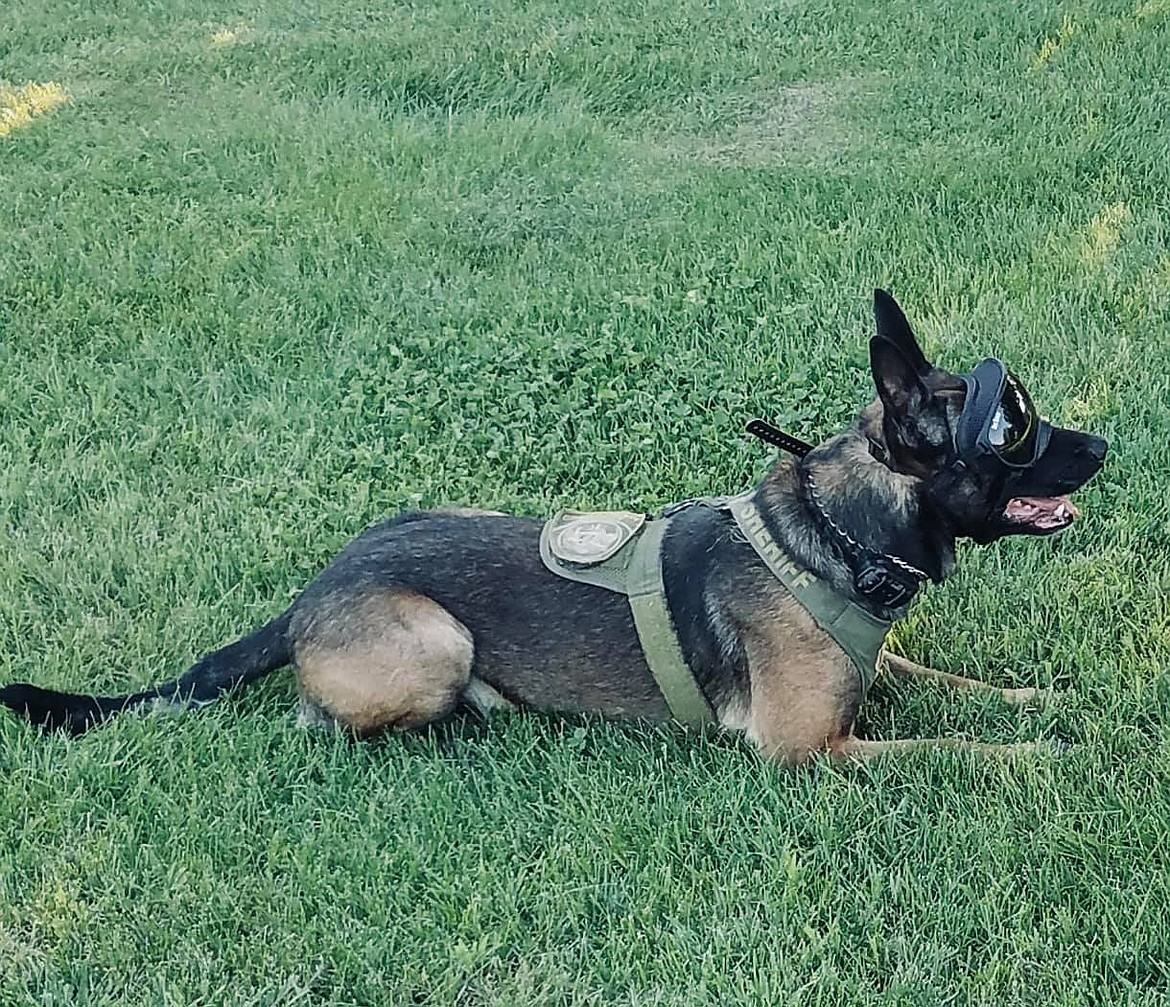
{"x": 880, "y": 578}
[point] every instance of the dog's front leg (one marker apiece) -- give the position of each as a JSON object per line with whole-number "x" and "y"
{"x": 1016, "y": 697}
{"x": 854, "y": 748}
{"x": 804, "y": 694}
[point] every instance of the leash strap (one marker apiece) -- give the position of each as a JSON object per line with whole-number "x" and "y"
{"x": 656, "y": 633}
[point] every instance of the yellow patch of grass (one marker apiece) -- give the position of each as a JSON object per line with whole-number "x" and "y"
{"x": 1095, "y": 401}
{"x": 1104, "y": 233}
{"x": 230, "y": 36}
{"x": 1052, "y": 45}
{"x": 1151, "y": 8}
{"x": 20, "y": 105}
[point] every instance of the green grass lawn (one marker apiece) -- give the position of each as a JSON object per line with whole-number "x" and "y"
{"x": 277, "y": 270}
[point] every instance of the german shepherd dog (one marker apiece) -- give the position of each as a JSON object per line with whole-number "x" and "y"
{"x": 431, "y": 611}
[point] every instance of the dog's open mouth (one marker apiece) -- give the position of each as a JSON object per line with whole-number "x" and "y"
{"x": 1041, "y": 513}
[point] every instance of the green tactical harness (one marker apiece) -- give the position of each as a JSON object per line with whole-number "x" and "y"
{"x": 622, "y": 552}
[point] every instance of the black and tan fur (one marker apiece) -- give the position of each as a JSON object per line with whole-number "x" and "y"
{"x": 431, "y": 611}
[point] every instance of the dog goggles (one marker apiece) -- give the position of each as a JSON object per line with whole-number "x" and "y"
{"x": 999, "y": 419}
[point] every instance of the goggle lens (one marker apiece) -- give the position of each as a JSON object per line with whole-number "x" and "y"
{"x": 1012, "y": 430}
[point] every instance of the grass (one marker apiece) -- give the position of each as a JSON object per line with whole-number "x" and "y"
{"x": 274, "y": 271}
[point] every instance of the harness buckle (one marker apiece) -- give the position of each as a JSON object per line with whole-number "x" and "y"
{"x": 884, "y": 585}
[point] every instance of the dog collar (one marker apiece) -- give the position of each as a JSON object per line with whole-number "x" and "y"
{"x": 882, "y": 578}
{"x": 886, "y": 580}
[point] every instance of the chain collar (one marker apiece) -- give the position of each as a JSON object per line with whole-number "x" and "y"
{"x": 884, "y": 579}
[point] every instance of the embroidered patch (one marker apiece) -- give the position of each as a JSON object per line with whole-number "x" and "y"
{"x": 589, "y": 538}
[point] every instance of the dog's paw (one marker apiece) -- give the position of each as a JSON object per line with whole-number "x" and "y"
{"x": 1043, "y": 749}
{"x": 1059, "y": 747}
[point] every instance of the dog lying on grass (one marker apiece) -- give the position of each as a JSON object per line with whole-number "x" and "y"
{"x": 763, "y": 613}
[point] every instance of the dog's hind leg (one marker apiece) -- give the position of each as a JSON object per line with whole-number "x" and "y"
{"x": 310, "y": 715}
{"x": 381, "y": 658}
{"x": 1016, "y": 697}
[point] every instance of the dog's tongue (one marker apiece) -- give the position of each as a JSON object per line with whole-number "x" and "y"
{"x": 1043, "y": 512}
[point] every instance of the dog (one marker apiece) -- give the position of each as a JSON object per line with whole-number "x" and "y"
{"x": 437, "y": 610}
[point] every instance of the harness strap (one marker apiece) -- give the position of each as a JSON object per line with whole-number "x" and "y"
{"x": 855, "y": 631}
{"x": 656, "y": 632}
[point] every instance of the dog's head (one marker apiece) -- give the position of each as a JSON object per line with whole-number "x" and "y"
{"x": 988, "y": 464}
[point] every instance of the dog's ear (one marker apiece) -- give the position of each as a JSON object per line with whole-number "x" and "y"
{"x": 898, "y": 380}
{"x": 893, "y": 328}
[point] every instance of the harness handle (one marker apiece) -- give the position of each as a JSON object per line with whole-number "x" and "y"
{"x": 778, "y": 438}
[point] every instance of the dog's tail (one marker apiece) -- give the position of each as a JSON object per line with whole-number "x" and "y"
{"x": 239, "y": 663}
